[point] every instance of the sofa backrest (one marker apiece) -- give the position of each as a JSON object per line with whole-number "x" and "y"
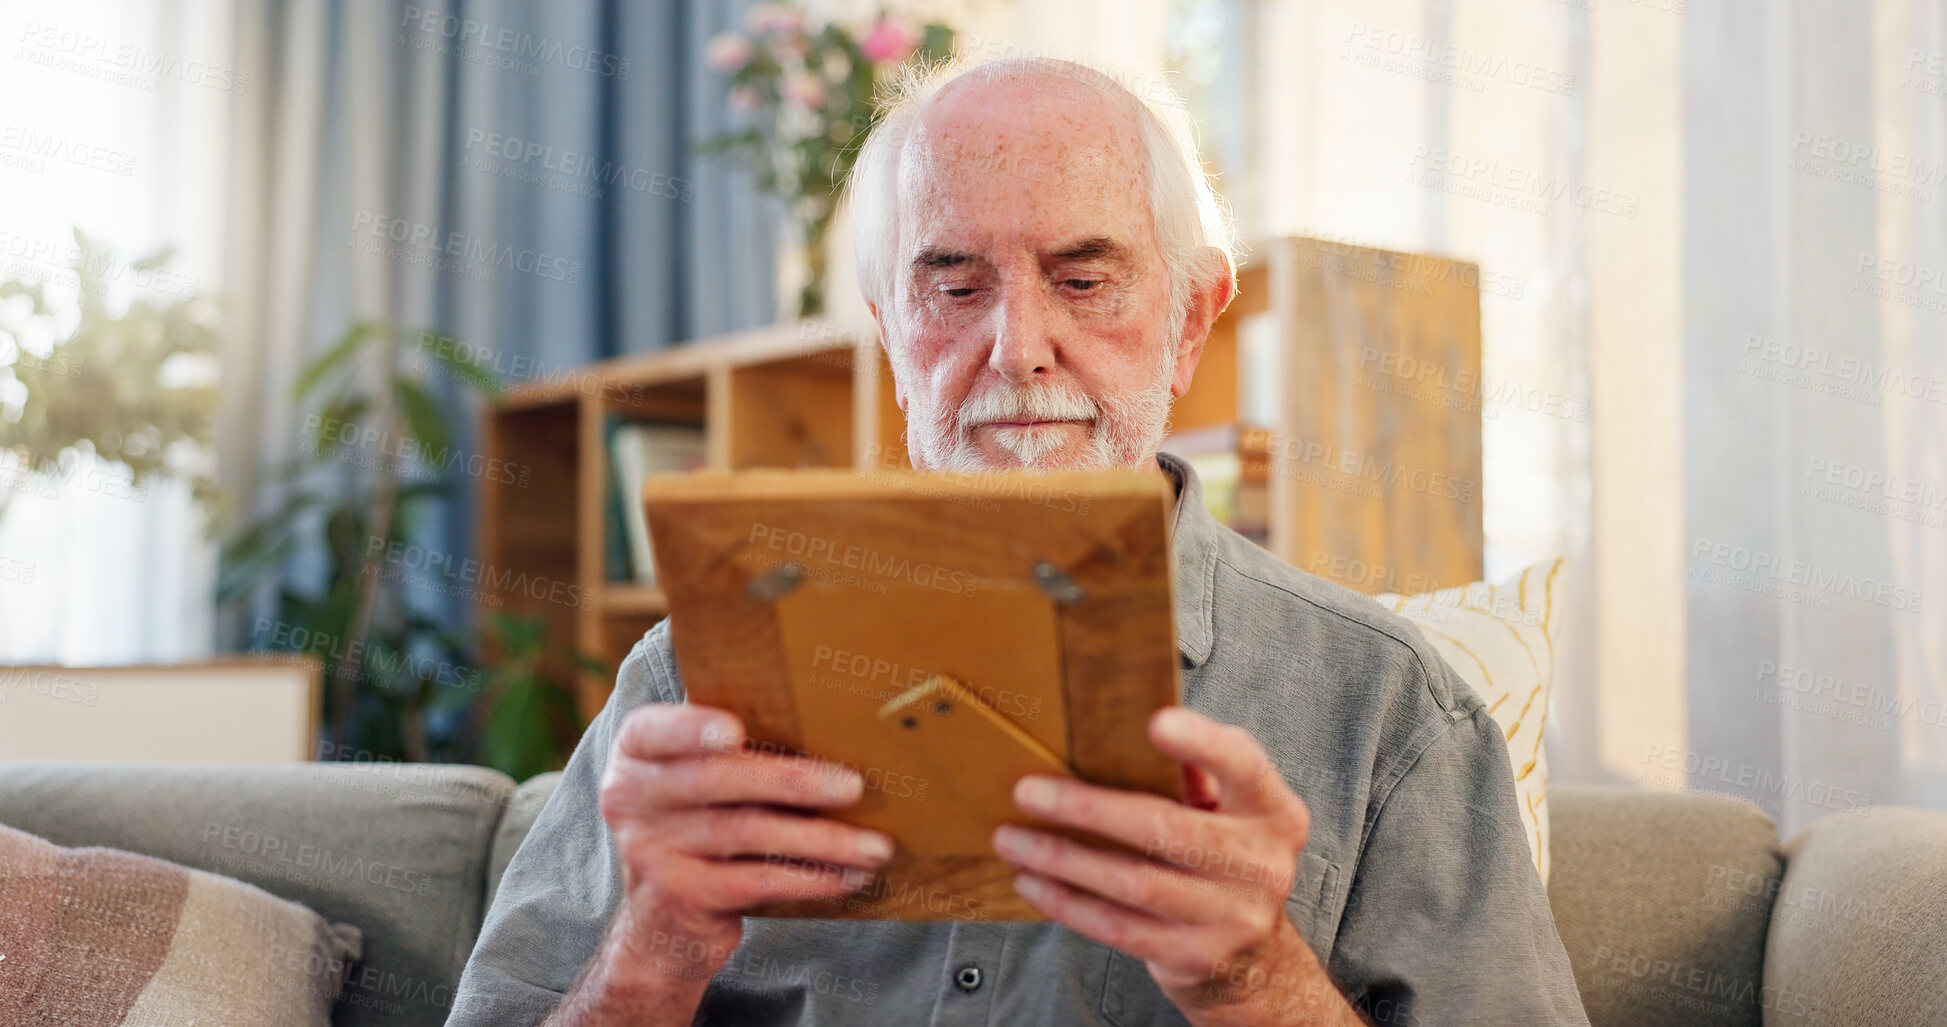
{"x": 1859, "y": 923}
{"x": 401, "y": 851}
{"x": 1662, "y": 900}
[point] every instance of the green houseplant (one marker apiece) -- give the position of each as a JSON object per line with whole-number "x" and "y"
{"x": 375, "y": 462}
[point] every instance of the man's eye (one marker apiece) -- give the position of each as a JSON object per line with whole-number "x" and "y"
{"x": 958, "y": 292}
{"x": 1082, "y": 284}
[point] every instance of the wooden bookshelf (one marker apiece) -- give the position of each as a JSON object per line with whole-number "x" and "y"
{"x": 793, "y": 395}
{"x": 812, "y": 394}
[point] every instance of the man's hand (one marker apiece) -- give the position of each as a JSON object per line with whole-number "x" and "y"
{"x": 1201, "y": 900}
{"x": 705, "y": 829}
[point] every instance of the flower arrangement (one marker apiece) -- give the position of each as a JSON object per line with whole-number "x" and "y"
{"x": 809, "y": 89}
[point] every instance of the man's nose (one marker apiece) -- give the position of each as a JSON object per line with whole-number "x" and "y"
{"x": 1024, "y": 334}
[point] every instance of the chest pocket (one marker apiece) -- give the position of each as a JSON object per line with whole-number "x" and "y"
{"x": 1131, "y": 999}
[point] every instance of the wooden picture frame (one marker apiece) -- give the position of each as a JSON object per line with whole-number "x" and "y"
{"x": 943, "y": 634}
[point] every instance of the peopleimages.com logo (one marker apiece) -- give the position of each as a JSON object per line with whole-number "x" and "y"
{"x": 514, "y": 43}
{"x": 418, "y": 241}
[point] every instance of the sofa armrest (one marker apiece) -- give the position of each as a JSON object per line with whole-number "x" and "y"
{"x": 398, "y": 849}
{"x": 1648, "y": 891}
{"x": 518, "y": 819}
{"x": 1859, "y": 923}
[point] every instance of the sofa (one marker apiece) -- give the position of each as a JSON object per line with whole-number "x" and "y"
{"x": 1675, "y": 908}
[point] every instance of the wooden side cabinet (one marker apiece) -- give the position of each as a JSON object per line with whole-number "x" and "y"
{"x": 1317, "y": 376}
{"x": 1350, "y": 379}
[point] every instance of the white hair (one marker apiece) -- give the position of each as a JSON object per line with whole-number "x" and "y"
{"x": 1189, "y": 216}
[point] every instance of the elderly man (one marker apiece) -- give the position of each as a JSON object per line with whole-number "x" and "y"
{"x": 1045, "y": 257}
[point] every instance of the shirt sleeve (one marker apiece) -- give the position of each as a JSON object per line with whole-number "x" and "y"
{"x": 564, "y": 882}
{"x": 1447, "y": 921}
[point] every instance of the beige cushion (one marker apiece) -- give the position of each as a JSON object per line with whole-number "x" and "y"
{"x": 98, "y": 937}
{"x": 1501, "y": 639}
{"x": 1659, "y": 900}
{"x": 1859, "y": 924}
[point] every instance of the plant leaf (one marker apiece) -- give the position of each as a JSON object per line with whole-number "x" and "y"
{"x": 340, "y": 411}
{"x": 339, "y": 353}
{"x": 465, "y": 370}
{"x": 423, "y": 417}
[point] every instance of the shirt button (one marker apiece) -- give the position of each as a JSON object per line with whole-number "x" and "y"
{"x": 968, "y": 978}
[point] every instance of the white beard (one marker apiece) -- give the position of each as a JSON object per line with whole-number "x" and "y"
{"x": 1124, "y": 430}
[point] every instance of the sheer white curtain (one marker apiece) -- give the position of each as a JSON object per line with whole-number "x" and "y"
{"x": 1815, "y": 390}
{"x": 1716, "y": 263}
{"x": 96, "y": 572}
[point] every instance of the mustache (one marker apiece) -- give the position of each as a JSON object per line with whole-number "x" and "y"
{"x": 1027, "y": 403}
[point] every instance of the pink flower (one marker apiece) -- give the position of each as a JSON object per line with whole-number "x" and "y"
{"x": 804, "y": 89}
{"x": 727, "y": 51}
{"x": 890, "y": 41}
{"x": 774, "y": 19}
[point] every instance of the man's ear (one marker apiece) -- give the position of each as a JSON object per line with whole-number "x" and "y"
{"x": 885, "y": 347}
{"x": 1207, "y": 300}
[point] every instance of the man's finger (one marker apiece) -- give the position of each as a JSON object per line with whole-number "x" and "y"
{"x": 1246, "y": 778}
{"x": 1146, "y": 823}
{"x": 1157, "y": 889}
{"x": 737, "y": 778}
{"x": 658, "y": 731}
{"x": 761, "y": 831}
{"x": 1118, "y": 927}
{"x": 740, "y": 884}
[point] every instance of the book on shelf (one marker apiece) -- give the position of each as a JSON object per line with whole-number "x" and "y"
{"x": 616, "y": 565}
{"x": 636, "y": 451}
{"x": 1254, "y": 485}
{"x": 1232, "y": 462}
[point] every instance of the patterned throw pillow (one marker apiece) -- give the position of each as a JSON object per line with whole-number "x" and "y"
{"x": 99, "y": 937}
{"x": 1501, "y": 639}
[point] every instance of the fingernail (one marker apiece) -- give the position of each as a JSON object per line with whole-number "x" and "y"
{"x": 875, "y": 846}
{"x": 1029, "y": 887}
{"x": 856, "y": 879}
{"x": 720, "y": 734}
{"x": 1172, "y": 725}
{"x": 1010, "y": 841}
{"x": 847, "y": 785}
{"x": 1035, "y": 794}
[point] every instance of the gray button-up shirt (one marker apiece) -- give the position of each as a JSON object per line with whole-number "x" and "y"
{"x": 1417, "y": 889}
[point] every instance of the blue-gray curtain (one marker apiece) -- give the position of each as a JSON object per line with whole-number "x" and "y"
{"x": 520, "y": 177}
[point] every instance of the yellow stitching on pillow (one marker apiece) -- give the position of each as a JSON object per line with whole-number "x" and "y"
{"x": 1540, "y": 733}
{"x": 1550, "y": 592}
{"x": 1457, "y": 644}
{"x": 1497, "y": 703}
{"x": 1525, "y": 647}
{"x": 1535, "y": 757}
{"x": 1524, "y": 711}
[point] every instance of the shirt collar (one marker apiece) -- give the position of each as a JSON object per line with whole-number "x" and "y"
{"x": 1193, "y": 541}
